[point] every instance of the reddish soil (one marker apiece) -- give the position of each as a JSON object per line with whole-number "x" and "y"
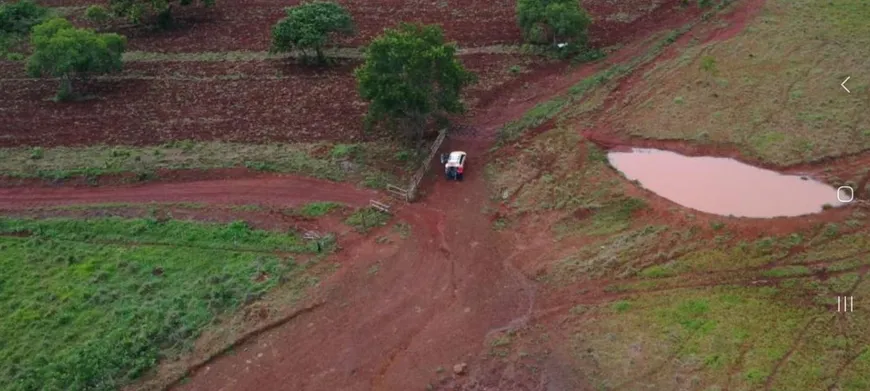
{"x": 246, "y": 24}
{"x": 447, "y": 290}
{"x": 152, "y": 103}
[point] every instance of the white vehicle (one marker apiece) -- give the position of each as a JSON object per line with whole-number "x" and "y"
{"x": 454, "y": 165}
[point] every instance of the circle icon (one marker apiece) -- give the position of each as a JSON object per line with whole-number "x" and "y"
{"x": 845, "y": 194}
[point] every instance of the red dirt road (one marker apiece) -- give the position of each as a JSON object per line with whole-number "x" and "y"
{"x": 430, "y": 303}
{"x": 284, "y": 191}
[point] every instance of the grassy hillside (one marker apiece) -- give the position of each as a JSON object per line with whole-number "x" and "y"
{"x": 656, "y": 297}
{"x": 773, "y": 90}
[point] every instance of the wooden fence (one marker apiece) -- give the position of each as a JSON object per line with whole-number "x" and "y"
{"x": 421, "y": 172}
{"x": 379, "y": 206}
{"x": 410, "y": 194}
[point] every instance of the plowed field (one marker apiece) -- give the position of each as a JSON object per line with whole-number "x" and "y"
{"x": 245, "y": 24}
{"x": 155, "y": 102}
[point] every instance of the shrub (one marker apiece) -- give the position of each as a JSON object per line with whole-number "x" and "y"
{"x": 98, "y": 15}
{"x": 556, "y": 21}
{"x": 19, "y": 17}
{"x": 309, "y": 26}
{"x": 367, "y": 218}
{"x": 69, "y": 53}
{"x": 708, "y": 64}
{"x": 136, "y": 10}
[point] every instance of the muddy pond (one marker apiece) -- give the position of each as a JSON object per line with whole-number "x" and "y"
{"x": 723, "y": 186}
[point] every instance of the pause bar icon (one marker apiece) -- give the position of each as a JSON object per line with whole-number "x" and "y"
{"x": 845, "y": 303}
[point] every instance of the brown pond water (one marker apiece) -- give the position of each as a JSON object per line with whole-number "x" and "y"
{"x": 723, "y": 186}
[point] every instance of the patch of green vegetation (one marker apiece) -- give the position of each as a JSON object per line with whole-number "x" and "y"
{"x": 615, "y": 217}
{"x": 372, "y": 163}
{"x": 719, "y": 259}
{"x": 617, "y": 256}
{"x": 787, "y": 271}
{"x": 234, "y": 236}
{"x": 317, "y": 209}
{"x": 404, "y": 229}
{"x": 344, "y": 151}
{"x": 95, "y": 304}
{"x": 621, "y": 306}
{"x": 499, "y": 224}
{"x": 659, "y": 271}
{"x": 843, "y": 247}
{"x": 542, "y": 112}
{"x": 710, "y": 331}
{"x": 364, "y": 219}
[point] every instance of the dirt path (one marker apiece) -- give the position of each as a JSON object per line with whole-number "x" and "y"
{"x": 283, "y": 191}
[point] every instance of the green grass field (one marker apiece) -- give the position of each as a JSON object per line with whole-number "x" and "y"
{"x": 369, "y": 164}
{"x": 773, "y": 90}
{"x": 94, "y": 304}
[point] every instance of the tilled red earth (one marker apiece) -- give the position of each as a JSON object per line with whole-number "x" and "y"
{"x": 246, "y": 24}
{"x": 152, "y": 103}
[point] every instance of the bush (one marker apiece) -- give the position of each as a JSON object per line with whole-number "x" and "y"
{"x": 367, "y": 218}
{"x": 556, "y": 21}
{"x": 98, "y": 15}
{"x": 308, "y": 27}
{"x": 63, "y": 51}
{"x": 19, "y": 17}
{"x": 136, "y": 10}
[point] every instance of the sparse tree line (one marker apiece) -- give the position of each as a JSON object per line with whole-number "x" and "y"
{"x": 410, "y": 75}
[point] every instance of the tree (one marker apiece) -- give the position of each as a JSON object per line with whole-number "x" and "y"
{"x": 555, "y": 21}
{"x": 309, "y": 26}
{"x": 19, "y": 17}
{"x": 63, "y": 51}
{"x": 410, "y": 73}
{"x": 136, "y": 10}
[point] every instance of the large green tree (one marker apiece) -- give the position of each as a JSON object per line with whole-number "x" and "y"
{"x": 555, "y": 21}
{"x": 309, "y": 27}
{"x": 409, "y": 75}
{"x": 18, "y": 17}
{"x": 63, "y": 51}
{"x": 136, "y": 10}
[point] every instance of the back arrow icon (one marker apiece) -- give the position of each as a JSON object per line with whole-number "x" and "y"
{"x": 843, "y": 84}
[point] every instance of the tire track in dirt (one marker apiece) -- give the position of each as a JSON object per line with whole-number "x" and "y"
{"x": 522, "y": 320}
{"x": 842, "y": 368}
{"x": 768, "y": 383}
